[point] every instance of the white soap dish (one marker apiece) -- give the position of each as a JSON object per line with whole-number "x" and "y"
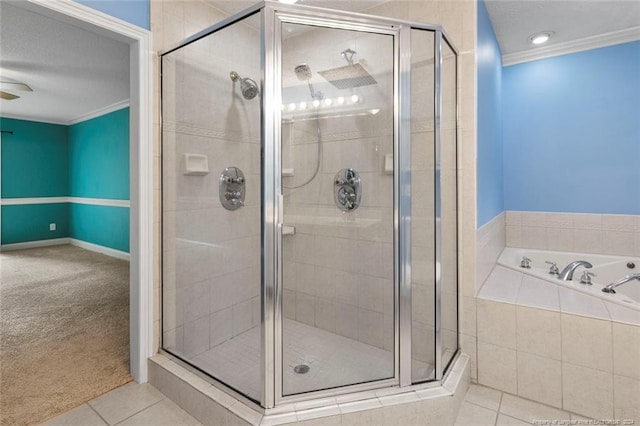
{"x": 195, "y": 165}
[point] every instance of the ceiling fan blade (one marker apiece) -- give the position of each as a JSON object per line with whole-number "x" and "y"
{"x": 15, "y": 86}
{"x": 8, "y": 96}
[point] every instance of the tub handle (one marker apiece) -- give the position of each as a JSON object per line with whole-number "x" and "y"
{"x": 525, "y": 262}
{"x": 586, "y": 277}
{"x": 553, "y": 269}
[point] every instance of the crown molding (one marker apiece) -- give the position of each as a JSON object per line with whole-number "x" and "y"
{"x": 574, "y": 46}
{"x": 79, "y": 119}
{"x": 99, "y": 112}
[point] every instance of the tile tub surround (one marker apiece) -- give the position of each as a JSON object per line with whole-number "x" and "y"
{"x": 556, "y": 346}
{"x": 587, "y": 233}
{"x": 418, "y": 405}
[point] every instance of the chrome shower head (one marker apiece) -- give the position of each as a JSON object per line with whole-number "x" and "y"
{"x": 303, "y": 72}
{"x": 248, "y": 87}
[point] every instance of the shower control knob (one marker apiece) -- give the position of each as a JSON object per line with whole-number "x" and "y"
{"x": 347, "y": 190}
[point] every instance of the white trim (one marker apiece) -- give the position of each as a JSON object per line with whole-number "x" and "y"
{"x": 79, "y": 119}
{"x": 33, "y": 200}
{"x": 141, "y": 158}
{"x": 100, "y": 202}
{"x": 99, "y": 112}
{"x": 35, "y": 244}
{"x": 574, "y": 46}
{"x": 61, "y": 241}
{"x": 54, "y": 200}
{"x": 39, "y": 120}
{"x": 100, "y": 249}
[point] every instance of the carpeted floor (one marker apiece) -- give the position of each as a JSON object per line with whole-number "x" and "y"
{"x": 64, "y": 330}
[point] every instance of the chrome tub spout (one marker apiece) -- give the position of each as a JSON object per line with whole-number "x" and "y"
{"x": 567, "y": 272}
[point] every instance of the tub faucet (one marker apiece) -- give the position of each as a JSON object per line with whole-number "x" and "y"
{"x": 610, "y": 287}
{"x": 567, "y": 272}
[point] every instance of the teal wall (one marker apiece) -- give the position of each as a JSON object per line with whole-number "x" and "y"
{"x": 99, "y": 157}
{"x": 101, "y": 225}
{"x": 88, "y": 160}
{"x": 35, "y": 159}
{"x": 31, "y": 222}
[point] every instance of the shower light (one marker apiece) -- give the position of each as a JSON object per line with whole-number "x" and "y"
{"x": 292, "y": 106}
{"x": 328, "y": 101}
{"x": 340, "y": 100}
{"x": 540, "y": 38}
{"x": 303, "y": 105}
{"x": 355, "y": 98}
{"x": 374, "y": 111}
{"x": 316, "y": 103}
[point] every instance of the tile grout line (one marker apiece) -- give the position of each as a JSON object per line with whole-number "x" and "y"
{"x": 499, "y": 408}
{"x": 140, "y": 411}
{"x": 95, "y": 411}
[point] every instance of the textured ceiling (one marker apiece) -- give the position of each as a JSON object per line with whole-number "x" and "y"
{"x": 514, "y": 21}
{"x": 72, "y": 71}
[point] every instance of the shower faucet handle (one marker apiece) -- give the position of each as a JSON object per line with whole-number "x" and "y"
{"x": 525, "y": 262}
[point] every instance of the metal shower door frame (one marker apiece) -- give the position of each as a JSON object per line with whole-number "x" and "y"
{"x": 275, "y": 14}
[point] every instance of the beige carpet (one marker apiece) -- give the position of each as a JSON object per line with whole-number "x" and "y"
{"x": 64, "y": 330}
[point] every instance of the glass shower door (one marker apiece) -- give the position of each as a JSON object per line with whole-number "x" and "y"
{"x": 211, "y": 185}
{"x": 338, "y": 222}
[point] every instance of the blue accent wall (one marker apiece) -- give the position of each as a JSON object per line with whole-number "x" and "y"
{"x": 490, "y": 176}
{"x": 133, "y": 11}
{"x": 35, "y": 159}
{"x": 99, "y": 157}
{"x": 101, "y": 225}
{"x": 572, "y": 132}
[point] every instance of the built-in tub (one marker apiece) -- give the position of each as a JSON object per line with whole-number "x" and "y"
{"x": 606, "y": 269}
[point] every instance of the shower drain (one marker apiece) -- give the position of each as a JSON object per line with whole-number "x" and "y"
{"x": 301, "y": 369}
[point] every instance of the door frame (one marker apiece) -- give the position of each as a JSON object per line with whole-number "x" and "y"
{"x": 141, "y": 294}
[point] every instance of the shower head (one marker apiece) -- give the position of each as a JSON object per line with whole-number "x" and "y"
{"x": 248, "y": 87}
{"x": 303, "y": 72}
{"x": 348, "y": 76}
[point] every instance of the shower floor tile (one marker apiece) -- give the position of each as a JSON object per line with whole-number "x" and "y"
{"x": 333, "y": 360}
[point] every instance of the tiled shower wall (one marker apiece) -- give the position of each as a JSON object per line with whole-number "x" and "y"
{"x": 211, "y": 255}
{"x": 172, "y": 21}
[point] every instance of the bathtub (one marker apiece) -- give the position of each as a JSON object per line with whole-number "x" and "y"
{"x": 607, "y": 269}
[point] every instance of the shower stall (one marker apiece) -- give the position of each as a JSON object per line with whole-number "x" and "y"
{"x": 309, "y": 203}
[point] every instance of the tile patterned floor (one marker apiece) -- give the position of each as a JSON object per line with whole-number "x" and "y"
{"x": 334, "y": 360}
{"x": 143, "y": 405}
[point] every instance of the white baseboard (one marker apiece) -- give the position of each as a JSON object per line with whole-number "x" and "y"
{"x": 35, "y": 244}
{"x": 60, "y": 241}
{"x": 100, "y": 249}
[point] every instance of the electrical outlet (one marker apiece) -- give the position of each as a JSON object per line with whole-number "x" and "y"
{"x": 52, "y": 227}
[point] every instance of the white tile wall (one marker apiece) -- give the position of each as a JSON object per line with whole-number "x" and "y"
{"x": 578, "y": 232}
{"x": 570, "y": 351}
